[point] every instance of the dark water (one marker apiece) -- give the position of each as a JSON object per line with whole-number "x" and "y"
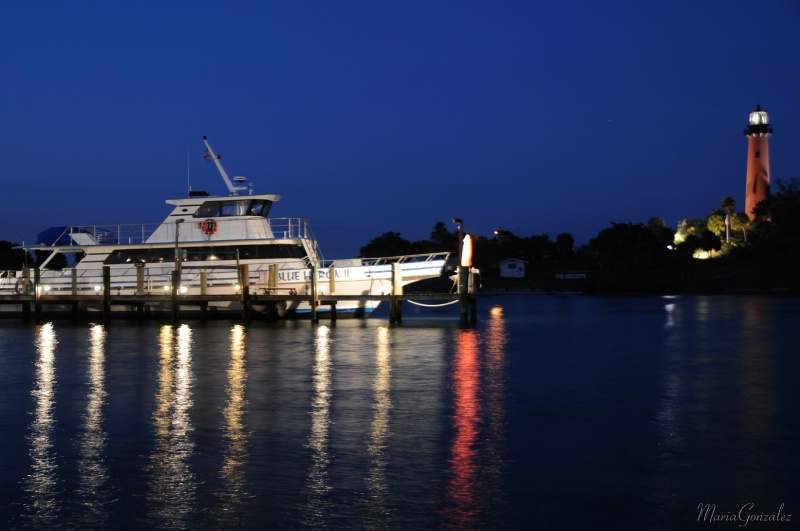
{"x": 554, "y": 413}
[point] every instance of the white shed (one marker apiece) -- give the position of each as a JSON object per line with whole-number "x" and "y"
{"x": 512, "y": 268}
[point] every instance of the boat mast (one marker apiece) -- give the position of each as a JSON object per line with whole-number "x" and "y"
{"x": 232, "y": 188}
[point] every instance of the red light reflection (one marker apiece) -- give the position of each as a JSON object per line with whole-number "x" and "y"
{"x": 463, "y": 484}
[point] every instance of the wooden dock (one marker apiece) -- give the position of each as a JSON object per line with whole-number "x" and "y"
{"x": 34, "y": 305}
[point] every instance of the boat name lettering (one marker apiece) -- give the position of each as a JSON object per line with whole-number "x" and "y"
{"x": 324, "y": 274}
{"x": 290, "y": 276}
{"x": 298, "y": 276}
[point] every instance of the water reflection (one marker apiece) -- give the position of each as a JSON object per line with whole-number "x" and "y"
{"x": 495, "y": 395}
{"x": 317, "y": 483}
{"x": 377, "y": 447}
{"x": 234, "y": 494}
{"x": 172, "y": 485}
{"x": 715, "y": 351}
{"x": 475, "y": 491}
{"x": 758, "y": 424}
{"x": 93, "y": 475}
{"x": 671, "y": 445}
{"x": 462, "y": 488}
{"x": 41, "y": 485}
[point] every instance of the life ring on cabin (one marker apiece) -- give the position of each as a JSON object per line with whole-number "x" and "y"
{"x": 209, "y": 227}
{"x": 24, "y": 286}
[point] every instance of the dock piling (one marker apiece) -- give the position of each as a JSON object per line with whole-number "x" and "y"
{"x": 314, "y": 301}
{"x": 395, "y": 304}
{"x": 174, "y": 296}
{"x": 37, "y": 290}
{"x": 106, "y": 294}
{"x": 244, "y": 274}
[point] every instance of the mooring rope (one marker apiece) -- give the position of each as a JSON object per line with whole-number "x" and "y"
{"x": 433, "y": 305}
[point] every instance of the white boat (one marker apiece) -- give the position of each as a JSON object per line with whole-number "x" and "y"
{"x": 207, "y": 239}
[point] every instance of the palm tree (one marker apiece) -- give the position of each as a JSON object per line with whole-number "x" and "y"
{"x": 728, "y": 204}
{"x": 740, "y": 221}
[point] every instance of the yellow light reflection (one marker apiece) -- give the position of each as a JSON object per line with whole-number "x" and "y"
{"x": 317, "y": 482}
{"x": 93, "y": 472}
{"x": 172, "y": 486}
{"x": 496, "y": 341}
{"x": 41, "y": 484}
{"x": 233, "y": 465}
{"x": 379, "y": 433}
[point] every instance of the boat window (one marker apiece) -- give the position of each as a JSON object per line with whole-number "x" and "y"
{"x": 233, "y": 207}
{"x": 209, "y": 209}
{"x": 131, "y": 256}
{"x": 206, "y": 253}
{"x": 259, "y": 208}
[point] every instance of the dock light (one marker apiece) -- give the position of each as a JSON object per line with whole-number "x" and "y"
{"x": 46, "y": 288}
{"x": 166, "y": 288}
{"x": 184, "y": 289}
{"x": 97, "y": 288}
{"x": 237, "y": 287}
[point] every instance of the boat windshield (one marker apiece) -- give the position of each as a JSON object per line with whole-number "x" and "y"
{"x": 233, "y": 207}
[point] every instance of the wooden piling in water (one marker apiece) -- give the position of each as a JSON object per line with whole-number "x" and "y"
{"x": 174, "y": 296}
{"x": 244, "y": 275}
{"x": 37, "y": 289}
{"x": 273, "y": 276}
{"x": 395, "y": 304}
{"x": 106, "y": 294}
{"x": 314, "y": 300}
{"x": 473, "y": 299}
{"x": 463, "y": 295}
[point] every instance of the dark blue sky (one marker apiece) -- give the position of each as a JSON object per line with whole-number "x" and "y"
{"x": 376, "y": 116}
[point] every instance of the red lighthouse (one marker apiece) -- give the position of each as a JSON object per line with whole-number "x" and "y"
{"x": 757, "y": 133}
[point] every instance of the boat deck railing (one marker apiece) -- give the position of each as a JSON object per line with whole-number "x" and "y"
{"x": 140, "y": 233}
{"x": 406, "y": 258}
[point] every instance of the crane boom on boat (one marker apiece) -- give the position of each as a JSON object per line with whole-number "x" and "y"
{"x": 235, "y": 186}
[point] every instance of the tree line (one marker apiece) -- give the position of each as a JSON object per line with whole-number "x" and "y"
{"x": 775, "y": 230}
{"x": 723, "y": 233}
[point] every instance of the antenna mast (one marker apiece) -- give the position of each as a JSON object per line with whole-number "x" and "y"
{"x": 232, "y": 188}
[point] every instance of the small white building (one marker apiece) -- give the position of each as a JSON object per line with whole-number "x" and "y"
{"x": 512, "y": 268}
